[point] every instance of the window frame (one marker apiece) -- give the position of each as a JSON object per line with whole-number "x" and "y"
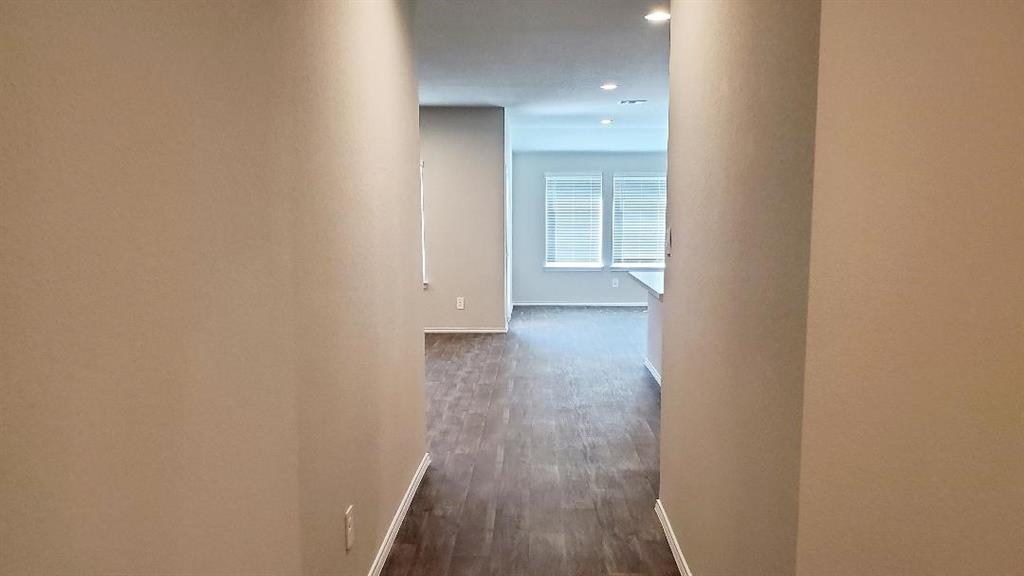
{"x": 599, "y": 264}
{"x": 655, "y": 265}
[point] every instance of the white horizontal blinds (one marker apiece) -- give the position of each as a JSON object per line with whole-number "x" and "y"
{"x": 638, "y": 219}
{"x": 572, "y": 205}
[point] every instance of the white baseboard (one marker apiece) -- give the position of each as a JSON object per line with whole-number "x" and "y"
{"x": 585, "y": 304}
{"x": 396, "y": 522}
{"x": 654, "y": 372}
{"x": 670, "y": 535}
{"x": 466, "y": 330}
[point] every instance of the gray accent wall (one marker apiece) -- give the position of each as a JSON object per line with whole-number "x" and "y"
{"x": 531, "y": 282}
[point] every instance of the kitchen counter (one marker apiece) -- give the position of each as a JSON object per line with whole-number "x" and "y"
{"x": 654, "y": 282}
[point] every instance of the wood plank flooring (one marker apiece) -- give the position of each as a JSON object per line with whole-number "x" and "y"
{"x": 545, "y": 452}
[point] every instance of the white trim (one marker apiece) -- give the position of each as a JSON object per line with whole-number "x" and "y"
{"x": 670, "y": 535}
{"x": 466, "y": 330}
{"x": 654, "y": 372}
{"x": 659, "y": 177}
{"x": 637, "y": 266}
{"x": 640, "y": 174}
{"x": 423, "y": 228}
{"x": 570, "y": 266}
{"x": 591, "y": 304}
{"x": 396, "y": 522}
{"x": 600, "y": 221}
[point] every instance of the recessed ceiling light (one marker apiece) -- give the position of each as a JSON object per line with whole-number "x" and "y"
{"x": 631, "y": 102}
{"x": 658, "y": 16}
{"x": 609, "y": 86}
{"x": 606, "y": 121}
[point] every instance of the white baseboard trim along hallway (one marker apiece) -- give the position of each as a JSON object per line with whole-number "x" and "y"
{"x": 652, "y": 370}
{"x": 396, "y": 522}
{"x": 670, "y": 535}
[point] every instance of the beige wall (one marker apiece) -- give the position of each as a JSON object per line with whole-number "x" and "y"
{"x": 913, "y": 443}
{"x": 463, "y": 151}
{"x": 743, "y": 81}
{"x": 211, "y": 336}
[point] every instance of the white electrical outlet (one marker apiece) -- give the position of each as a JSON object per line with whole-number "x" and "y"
{"x": 350, "y": 527}
{"x": 460, "y": 303}
{"x": 615, "y": 282}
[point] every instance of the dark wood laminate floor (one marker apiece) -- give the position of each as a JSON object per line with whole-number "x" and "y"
{"x": 545, "y": 452}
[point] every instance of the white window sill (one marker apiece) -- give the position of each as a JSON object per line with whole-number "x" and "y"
{"x": 638, "y": 266}
{"x": 574, "y": 267}
{"x": 567, "y": 267}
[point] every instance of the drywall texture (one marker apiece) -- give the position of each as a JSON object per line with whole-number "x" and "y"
{"x": 913, "y": 442}
{"x": 744, "y": 78}
{"x": 192, "y": 381}
{"x": 531, "y": 282}
{"x": 463, "y": 152}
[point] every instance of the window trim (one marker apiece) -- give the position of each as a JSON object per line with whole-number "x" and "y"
{"x": 578, "y": 266}
{"x": 638, "y": 266}
{"x": 657, "y": 265}
{"x": 573, "y": 266}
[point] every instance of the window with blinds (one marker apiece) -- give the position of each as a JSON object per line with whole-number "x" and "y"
{"x": 638, "y": 220}
{"x": 572, "y": 204}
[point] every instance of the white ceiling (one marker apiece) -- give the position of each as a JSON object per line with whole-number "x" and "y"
{"x": 544, "y": 61}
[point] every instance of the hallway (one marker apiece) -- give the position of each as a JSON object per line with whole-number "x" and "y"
{"x": 545, "y": 452}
